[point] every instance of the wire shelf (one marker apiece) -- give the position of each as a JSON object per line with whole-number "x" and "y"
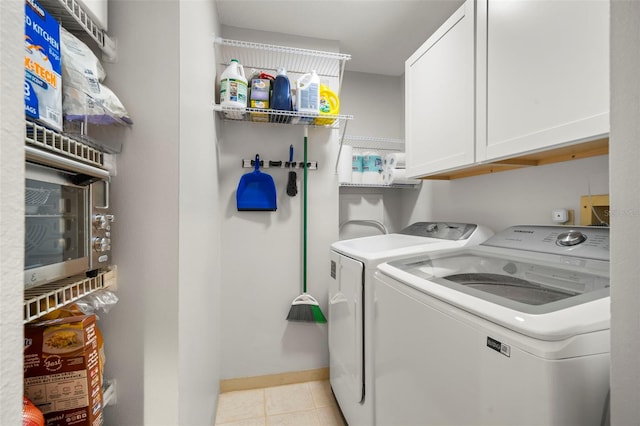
{"x": 297, "y": 61}
{"x": 394, "y": 185}
{"x": 73, "y": 17}
{"x": 270, "y": 57}
{"x": 109, "y": 393}
{"x": 53, "y": 141}
{"x": 377, "y": 143}
{"x": 46, "y": 298}
{"x": 274, "y": 116}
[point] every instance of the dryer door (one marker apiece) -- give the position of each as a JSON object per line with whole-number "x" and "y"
{"x": 346, "y": 329}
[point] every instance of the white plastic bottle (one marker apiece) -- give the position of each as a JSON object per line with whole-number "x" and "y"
{"x": 308, "y": 96}
{"x": 233, "y": 89}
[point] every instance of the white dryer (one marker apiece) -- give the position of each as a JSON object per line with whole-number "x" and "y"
{"x": 514, "y": 331}
{"x": 353, "y": 263}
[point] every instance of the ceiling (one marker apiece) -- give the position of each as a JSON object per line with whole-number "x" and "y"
{"x": 379, "y": 34}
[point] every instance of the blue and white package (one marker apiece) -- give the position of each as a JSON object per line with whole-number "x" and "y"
{"x": 372, "y": 168}
{"x": 356, "y": 167}
{"x": 42, "y": 64}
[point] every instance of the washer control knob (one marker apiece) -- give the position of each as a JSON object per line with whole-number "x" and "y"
{"x": 101, "y": 244}
{"x": 571, "y": 238}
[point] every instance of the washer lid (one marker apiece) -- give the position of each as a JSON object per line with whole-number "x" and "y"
{"x": 538, "y": 295}
{"x": 417, "y": 238}
{"x": 523, "y": 285}
{"x": 382, "y": 246}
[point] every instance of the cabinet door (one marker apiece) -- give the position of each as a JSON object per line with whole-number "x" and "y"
{"x": 547, "y": 74}
{"x": 439, "y": 98}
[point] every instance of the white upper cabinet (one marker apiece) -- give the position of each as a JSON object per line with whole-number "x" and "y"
{"x": 439, "y": 101}
{"x": 504, "y": 82}
{"x": 543, "y": 74}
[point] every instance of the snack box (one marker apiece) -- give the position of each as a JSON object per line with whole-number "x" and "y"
{"x": 62, "y": 373}
{"x": 259, "y": 99}
{"x": 42, "y": 66}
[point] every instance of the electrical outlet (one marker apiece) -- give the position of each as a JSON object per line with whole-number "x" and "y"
{"x": 560, "y": 215}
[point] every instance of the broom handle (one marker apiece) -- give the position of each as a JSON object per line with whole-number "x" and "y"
{"x": 304, "y": 217}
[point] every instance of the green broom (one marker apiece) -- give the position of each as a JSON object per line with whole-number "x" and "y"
{"x": 304, "y": 307}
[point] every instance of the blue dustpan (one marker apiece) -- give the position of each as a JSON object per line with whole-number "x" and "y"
{"x": 256, "y": 191}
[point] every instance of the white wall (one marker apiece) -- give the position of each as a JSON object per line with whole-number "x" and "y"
{"x": 163, "y": 335}
{"x": 141, "y": 331}
{"x": 377, "y": 104}
{"x": 11, "y": 210}
{"x": 262, "y": 251}
{"x": 625, "y": 205}
{"x": 199, "y": 243}
{"x": 515, "y": 197}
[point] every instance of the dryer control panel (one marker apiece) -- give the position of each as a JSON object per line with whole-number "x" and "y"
{"x": 444, "y": 230}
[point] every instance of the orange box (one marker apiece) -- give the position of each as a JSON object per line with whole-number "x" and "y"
{"x": 62, "y": 372}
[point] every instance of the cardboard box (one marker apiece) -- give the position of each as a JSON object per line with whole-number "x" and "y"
{"x": 259, "y": 116}
{"x": 62, "y": 373}
{"x": 43, "y": 66}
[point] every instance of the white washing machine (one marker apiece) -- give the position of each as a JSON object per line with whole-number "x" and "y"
{"x": 514, "y": 331}
{"x": 353, "y": 263}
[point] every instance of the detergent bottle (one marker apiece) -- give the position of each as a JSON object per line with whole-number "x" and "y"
{"x": 281, "y": 96}
{"x": 308, "y": 96}
{"x": 329, "y": 105}
{"x": 233, "y": 89}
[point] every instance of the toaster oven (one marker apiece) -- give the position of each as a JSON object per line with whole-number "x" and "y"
{"x": 67, "y": 218}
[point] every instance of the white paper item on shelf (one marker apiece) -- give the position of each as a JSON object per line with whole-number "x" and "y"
{"x": 372, "y": 178}
{"x": 398, "y": 177}
{"x": 345, "y": 164}
{"x": 372, "y": 168}
{"x": 395, "y": 160}
{"x": 356, "y": 167}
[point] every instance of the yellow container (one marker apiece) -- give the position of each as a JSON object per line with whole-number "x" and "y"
{"x": 329, "y": 105}
{"x": 259, "y": 116}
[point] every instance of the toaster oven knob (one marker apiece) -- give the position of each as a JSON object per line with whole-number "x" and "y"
{"x": 571, "y": 238}
{"x": 100, "y": 244}
{"x": 100, "y": 221}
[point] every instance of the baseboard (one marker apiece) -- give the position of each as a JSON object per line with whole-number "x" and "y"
{"x": 269, "y": 380}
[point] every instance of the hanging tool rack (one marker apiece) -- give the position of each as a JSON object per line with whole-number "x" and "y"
{"x": 279, "y": 164}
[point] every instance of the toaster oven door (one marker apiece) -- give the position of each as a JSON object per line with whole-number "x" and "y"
{"x": 56, "y": 226}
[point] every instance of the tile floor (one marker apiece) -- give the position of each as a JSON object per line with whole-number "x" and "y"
{"x": 301, "y": 404}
